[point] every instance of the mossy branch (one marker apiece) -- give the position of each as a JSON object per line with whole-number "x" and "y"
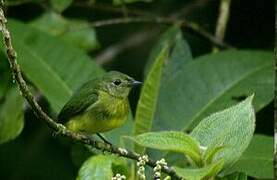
{"x": 54, "y": 126}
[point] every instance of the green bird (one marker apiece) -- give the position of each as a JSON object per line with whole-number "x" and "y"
{"x": 99, "y": 105}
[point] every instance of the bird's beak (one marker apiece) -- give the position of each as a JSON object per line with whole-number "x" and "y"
{"x": 135, "y": 83}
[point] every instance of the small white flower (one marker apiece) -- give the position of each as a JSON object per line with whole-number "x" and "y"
{"x": 158, "y": 168}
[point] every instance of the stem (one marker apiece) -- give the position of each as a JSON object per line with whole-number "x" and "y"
{"x": 223, "y": 17}
{"x": 160, "y": 20}
{"x": 56, "y": 127}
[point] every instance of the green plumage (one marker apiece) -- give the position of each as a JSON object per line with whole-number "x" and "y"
{"x": 99, "y": 105}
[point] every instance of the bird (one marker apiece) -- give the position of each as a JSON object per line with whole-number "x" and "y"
{"x": 99, "y": 105}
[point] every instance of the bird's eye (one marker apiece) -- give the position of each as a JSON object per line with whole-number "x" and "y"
{"x": 117, "y": 82}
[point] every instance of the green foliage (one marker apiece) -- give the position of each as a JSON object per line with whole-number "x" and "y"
{"x": 211, "y": 83}
{"x": 148, "y": 99}
{"x": 11, "y": 116}
{"x": 210, "y": 153}
{"x": 178, "y": 57}
{"x": 235, "y": 176}
{"x": 232, "y": 128}
{"x": 54, "y": 67}
{"x": 171, "y": 141}
{"x": 76, "y": 32}
{"x": 60, "y": 5}
{"x": 101, "y": 167}
{"x": 161, "y": 70}
{"x": 257, "y": 160}
{"x": 200, "y": 173}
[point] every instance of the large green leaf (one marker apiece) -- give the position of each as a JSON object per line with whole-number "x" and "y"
{"x": 96, "y": 167}
{"x": 53, "y": 66}
{"x": 231, "y": 128}
{"x": 201, "y": 173}
{"x": 148, "y": 99}
{"x": 101, "y": 167}
{"x": 76, "y": 32}
{"x": 171, "y": 141}
{"x": 211, "y": 83}
{"x": 178, "y": 57}
{"x": 235, "y": 176}
{"x": 11, "y": 116}
{"x": 257, "y": 160}
{"x": 180, "y": 54}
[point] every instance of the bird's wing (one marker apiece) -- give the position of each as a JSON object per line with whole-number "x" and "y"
{"x": 79, "y": 102}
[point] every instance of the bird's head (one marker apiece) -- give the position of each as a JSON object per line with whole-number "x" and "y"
{"x": 118, "y": 84}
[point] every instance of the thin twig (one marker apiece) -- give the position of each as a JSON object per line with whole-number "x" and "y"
{"x": 107, "y": 7}
{"x": 189, "y": 8}
{"x": 128, "y": 43}
{"x": 223, "y": 17}
{"x": 56, "y": 127}
{"x": 160, "y": 20}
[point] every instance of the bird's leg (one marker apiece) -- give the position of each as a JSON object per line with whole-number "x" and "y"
{"x": 103, "y": 139}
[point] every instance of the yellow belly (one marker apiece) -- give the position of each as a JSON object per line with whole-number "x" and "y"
{"x": 88, "y": 124}
{"x": 106, "y": 114}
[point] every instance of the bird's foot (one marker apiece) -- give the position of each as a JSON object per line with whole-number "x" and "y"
{"x": 61, "y": 130}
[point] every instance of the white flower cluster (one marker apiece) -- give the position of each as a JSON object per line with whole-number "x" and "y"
{"x": 158, "y": 168}
{"x": 119, "y": 177}
{"x": 140, "y": 164}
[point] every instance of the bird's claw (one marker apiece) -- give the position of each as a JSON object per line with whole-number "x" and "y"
{"x": 61, "y": 130}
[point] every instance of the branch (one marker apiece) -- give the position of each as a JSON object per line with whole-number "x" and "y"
{"x": 160, "y": 20}
{"x": 56, "y": 127}
{"x": 275, "y": 99}
{"x": 223, "y": 17}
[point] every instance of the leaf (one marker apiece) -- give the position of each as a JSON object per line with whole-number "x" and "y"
{"x": 60, "y": 5}
{"x": 257, "y": 160}
{"x": 148, "y": 98}
{"x": 210, "y": 153}
{"x": 100, "y": 167}
{"x": 11, "y": 116}
{"x": 122, "y": 2}
{"x": 232, "y": 128}
{"x": 235, "y": 176}
{"x": 53, "y": 66}
{"x": 202, "y": 173}
{"x": 75, "y": 32}
{"x": 178, "y": 57}
{"x": 211, "y": 83}
{"x": 96, "y": 167}
{"x": 170, "y": 141}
